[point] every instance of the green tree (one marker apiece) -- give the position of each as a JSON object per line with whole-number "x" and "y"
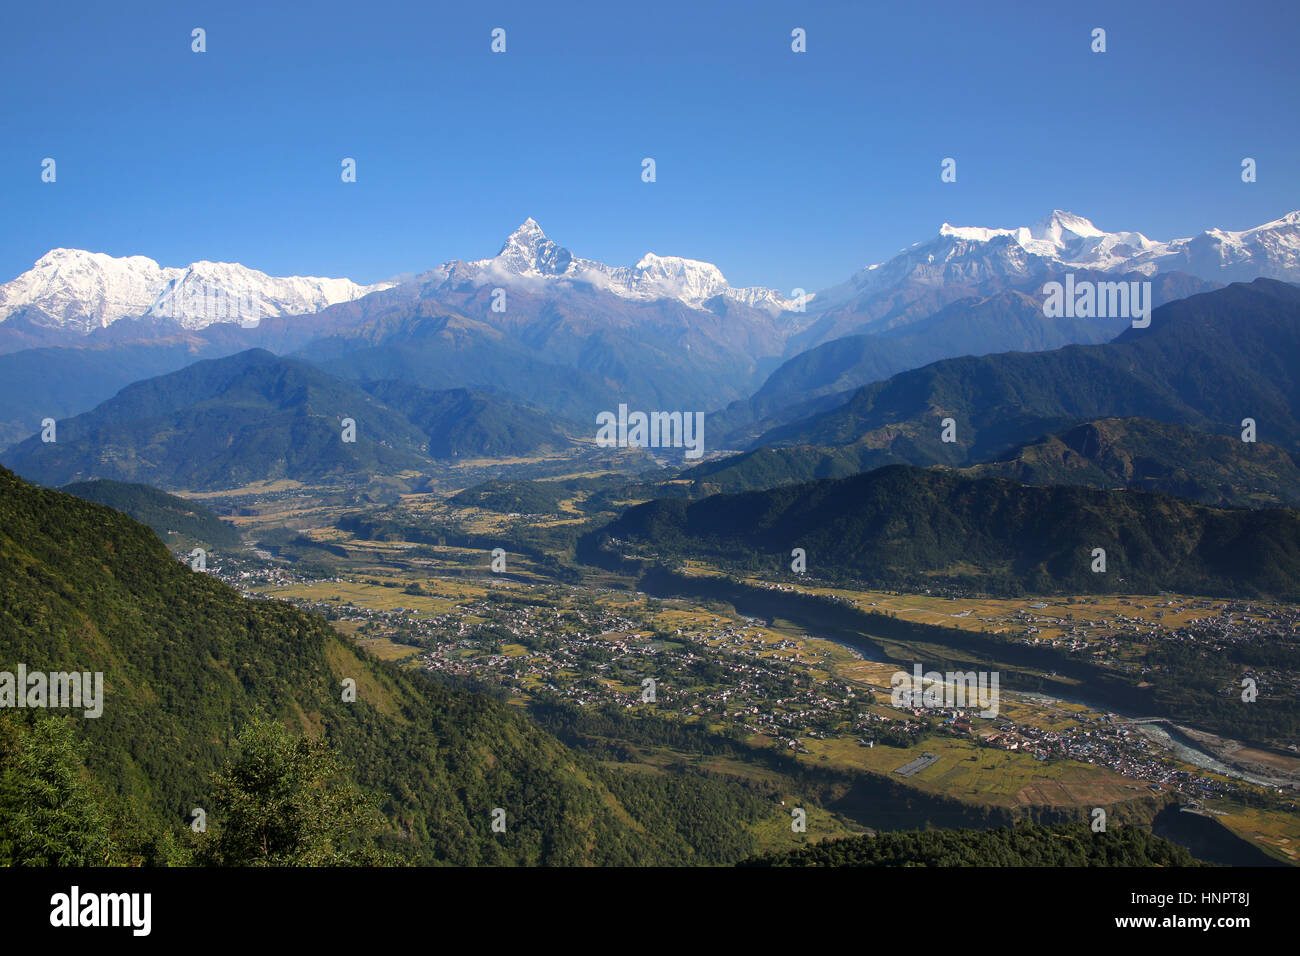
{"x": 50, "y": 811}
{"x": 286, "y": 801}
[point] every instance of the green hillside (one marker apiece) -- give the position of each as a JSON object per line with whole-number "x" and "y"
{"x": 1206, "y": 362}
{"x": 188, "y": 664}
{"x": 906, "y": 526}
{"x": 1072, "y": 844}
{"x": 1136, "y": 453}
{"x": 1109, "y": 453}
{"x": 178, "y": 522}
{"x": 225, "y": 423}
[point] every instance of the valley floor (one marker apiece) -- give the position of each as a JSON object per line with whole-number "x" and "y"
{"x": 657, "y": 684}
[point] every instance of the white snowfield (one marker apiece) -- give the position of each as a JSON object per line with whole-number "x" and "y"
{"x": 1064, "y": 240}
{"x": 84, "y": 291}
{"x": 531, "y": 260}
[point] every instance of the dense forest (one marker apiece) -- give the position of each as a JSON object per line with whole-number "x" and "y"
{"x": 1070, "y": 844}
{"x": 1206, "y": 362}
{"x": 903, "y": 526}
{"x": 1219, "y": 470}
{"x": 178, "y": 522}
{"x": 189, "y": 666}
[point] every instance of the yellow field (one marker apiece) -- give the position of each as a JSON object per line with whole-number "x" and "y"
{"x": 1278, "y": 834}
{"x": 965, "y": 770}
{"x": 975, "y": 614}
{"x": 975, "y": 774}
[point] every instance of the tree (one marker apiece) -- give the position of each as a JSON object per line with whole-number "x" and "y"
{"x": 50, "y": 811}
{"x": 286, "y": 801}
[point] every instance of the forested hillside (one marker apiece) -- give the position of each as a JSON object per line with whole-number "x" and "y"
{"x": 902, "y": 525}
{"x": 1027, "y": 845}
{"x": 188, "y": 664}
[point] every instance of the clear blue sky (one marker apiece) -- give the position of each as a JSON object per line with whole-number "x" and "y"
{"x": 785, "y": 170}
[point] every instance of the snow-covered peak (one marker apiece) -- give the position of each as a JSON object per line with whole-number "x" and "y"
{"x": 528, "y": 228}
{"x": 75, "y": 258}
{"x": 681, "y": 278}
{"x": 1288, "y": 225}
{"x": 973, "y": 233}
{"x": 1061, "y": 235}
{"x": 82, "y": 291}
{"x": 528, "y": 255}
{"x": 1061, "y": 228}
{"x": 969, "y": 255}
{"x": 527, "y": 251}
{"x": 1272, "y": 249}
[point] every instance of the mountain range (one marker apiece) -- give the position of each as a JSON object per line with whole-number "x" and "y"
{"x": 963, "y": 261}
{"x": 1184, "y": 385}
{"x": 574, "y": 337}
{"x": 251, "y": 417}
{"x": 80, "y": 291}
{"x": 530, "y": 260}
{"x": 1206, "y": 362}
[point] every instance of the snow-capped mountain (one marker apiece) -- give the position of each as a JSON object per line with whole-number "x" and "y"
{"x": 530, "y": 260}
{"x": 971, "y": 256}
{"x": 1067, "y": 238}
{"x": 81, "y": 291}
{"x": 77, "y": 291}
{"x": 1271, "y": 250}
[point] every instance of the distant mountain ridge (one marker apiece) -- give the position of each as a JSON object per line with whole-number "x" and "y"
{"x": 177, "y": 522}
{"x": 965, "y": 261}
{"x": 968, "y": 255}
{"x": 80, "y": 291}
{"x": 908, "y": 527}
{"x": 1219, "y": 470}
{"x": 576, "y": 337}
{"x": 1207, "y": 362}
{"x": 252, "y": 417}
{"x": 530, "y": 258}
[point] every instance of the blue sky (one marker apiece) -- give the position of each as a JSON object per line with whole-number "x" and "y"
{"x": 784, "y": 169}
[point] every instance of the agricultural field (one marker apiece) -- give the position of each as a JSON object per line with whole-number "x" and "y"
{"x": 800, "y": 714}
